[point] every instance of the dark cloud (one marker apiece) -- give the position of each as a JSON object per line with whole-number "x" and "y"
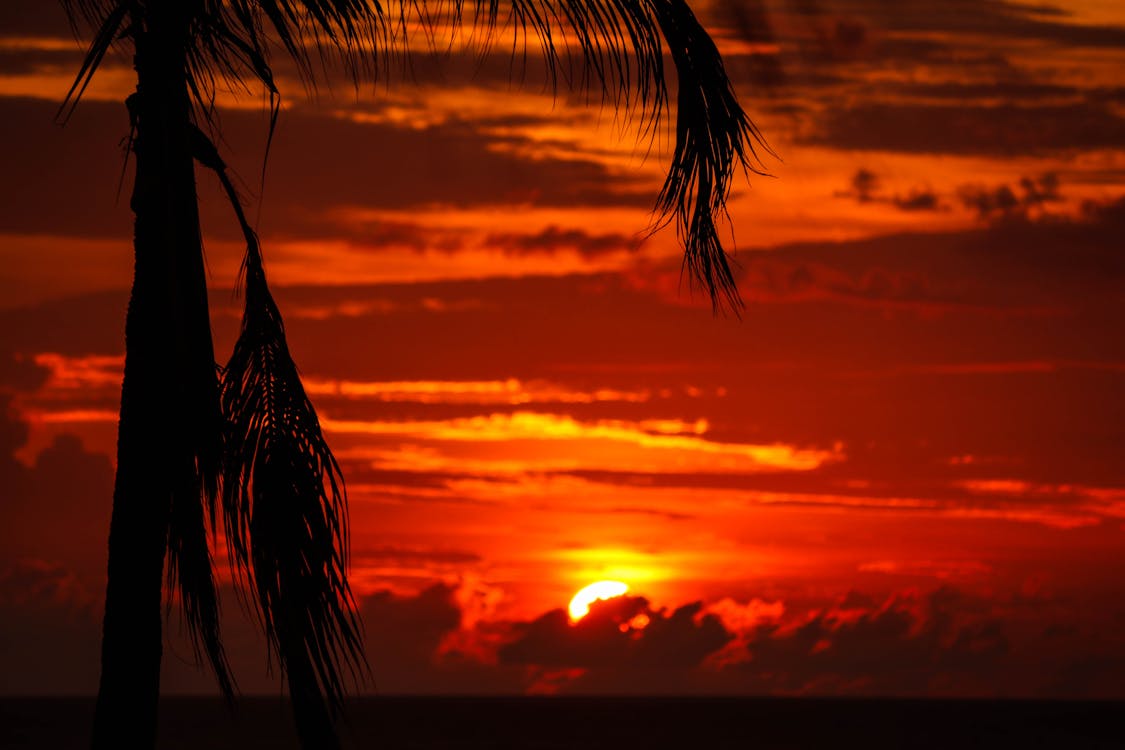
{"x": 611, "y": 638}
{"x": 553, "y": 238}
{"x": 1005, "y": 203}
{"x": 30, "y": 60}
{"x": 56, "y": 509}
{"x": 73, "y": 326}
{"x": 866, "y": 188}
{"x": 33, "y": 18}
{"x": 917, "y": 200}
{"x": 49, "y": 627}
{"x": 751, "y": 22}
{"x": 906, "y": 646}
{"x": 318, "y": 165}
{"x": 19, "y": 373}
{"x": 822, "y": 47}
{"x": 30, "y": 582}
{"x": 993, "y": 18}
{"x": 404, "y": 637}
{"x": 403, "y": 633}
{"x": 1030, "y": 92}
{"x": 386, "y": 234}
{"x": 945, "y": 642}
{"x": 969, "y": 129}
{"x": 865, "y": 184}
{"x": 412, "y": 647}
{"x": 1001, "y": 201}
{"x": 44, "y": 193}
{"x": 318, "y": 161}
{"x": 1012, "y": 258}
{"x": 839, "y": 39}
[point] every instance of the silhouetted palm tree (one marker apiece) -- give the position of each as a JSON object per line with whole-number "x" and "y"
{"x": 197, "y": 443}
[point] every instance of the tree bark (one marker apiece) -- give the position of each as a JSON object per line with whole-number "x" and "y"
{"x": 169, "y": 397}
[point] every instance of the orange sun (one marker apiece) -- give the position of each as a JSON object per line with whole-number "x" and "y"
{"x": 580, "y": 604}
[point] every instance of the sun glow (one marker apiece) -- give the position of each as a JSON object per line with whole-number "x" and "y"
{"x": 580, "y": 604}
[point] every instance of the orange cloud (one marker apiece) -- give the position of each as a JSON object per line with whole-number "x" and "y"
{"x": 667, "y": 445}
{"x": 484, "y": 392}
{"x": 79, "y": 373}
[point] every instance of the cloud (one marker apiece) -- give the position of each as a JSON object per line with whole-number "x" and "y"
{"x": 906, "y": 646}
{"x": 20, "y": 373}
{"x": 49, "y": 630}
{"x": 18, "y": 58}
{"x": 469, "y": 444}
{"x": 1004, "y": 203}
{"x": 380, "y": 235}
{"x": 935, "y": 345}
{"x": 740, "y": 618}
{"x": 413, "y": 647}
{"x": 403, "y": 633}
{"x": 917, "y": 200}
{"x": 969, "y": 129}
{"x": 623, "y": 633}
{"x": 320, "y": 165}
{"x": 944, "y": 642}
{"x": 56, "y": 509}
{"x": 511, "y": 391}
{"x": 865, "y": 184}
{"x": 32, "y": 18}
{"x": 552, "y": 239}
{"x": 379, "y": 564}
{"x": 963, "y": 18}
{"x": 865, "y": 188}
{"x": 453, "y": 163}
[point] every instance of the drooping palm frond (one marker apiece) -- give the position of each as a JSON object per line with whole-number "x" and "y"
{"x": 190, "y": 572}
{"x": 285, "y": 506}
{"x": 714, "y": 136}
{"x": 107, "y": 18}
{"x": 619, "y": 46}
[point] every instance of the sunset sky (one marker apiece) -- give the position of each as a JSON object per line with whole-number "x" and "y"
{"x": 901, "y": 472}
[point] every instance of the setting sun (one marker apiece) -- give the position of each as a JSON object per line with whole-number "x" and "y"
{"x": 580, "y": 604}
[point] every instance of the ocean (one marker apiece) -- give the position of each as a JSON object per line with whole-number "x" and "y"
{"x": 554, "y": 723}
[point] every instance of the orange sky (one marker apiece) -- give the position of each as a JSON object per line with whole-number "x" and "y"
{"x": 899, "y": 473}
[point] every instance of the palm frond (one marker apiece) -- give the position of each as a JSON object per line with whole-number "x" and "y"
{"x": 190, "y": 572}
{"x": 714, "y": 137}
{"x": 197, "y": 447}
{"x": 107, "y": 18}
{"x": 285, "y": 510}
{"x": 284, "y": 501}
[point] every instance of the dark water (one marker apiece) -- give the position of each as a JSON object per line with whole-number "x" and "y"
{"x": 634, "y": 723}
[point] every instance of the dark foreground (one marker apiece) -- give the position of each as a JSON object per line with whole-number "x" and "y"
{"x": 635, "y": 723}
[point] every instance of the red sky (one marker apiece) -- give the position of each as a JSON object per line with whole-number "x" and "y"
{"x": 899, "y": 473}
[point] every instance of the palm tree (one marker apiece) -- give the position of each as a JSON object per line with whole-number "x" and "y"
{"x": 239, "y": 449}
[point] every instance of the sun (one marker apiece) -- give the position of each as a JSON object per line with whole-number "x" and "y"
{"x": 580, "y": 604}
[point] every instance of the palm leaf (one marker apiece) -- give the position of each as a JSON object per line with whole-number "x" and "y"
{"x": 285, "y": 511}
{"x": 107, "y": 18}
{"x": 190, "y": 572}
{"x": 713, "y": 137}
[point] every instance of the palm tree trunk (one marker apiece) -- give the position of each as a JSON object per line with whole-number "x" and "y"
{"x": 169, "y": 395}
